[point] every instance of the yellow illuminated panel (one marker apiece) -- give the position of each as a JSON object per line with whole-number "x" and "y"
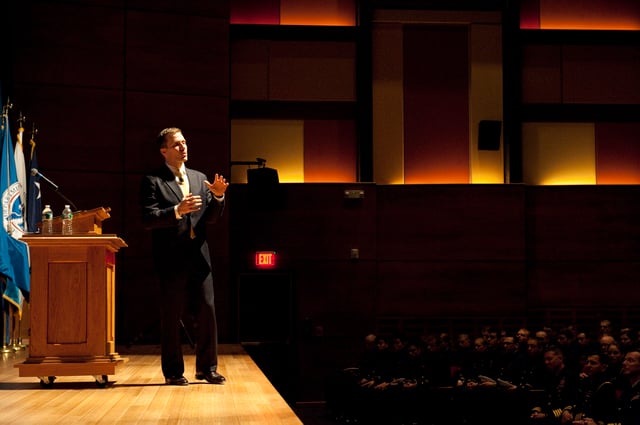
{"x": 485, "y": 100}
{"x": 388, "y": 100}
{"x": 280, "y": 142}
{"x": 558, "y": 153}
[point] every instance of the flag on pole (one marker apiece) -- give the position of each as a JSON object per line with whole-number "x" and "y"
{"x": 21, "y": 172}
{"x": 14, "y": 254}
{"x": 34, "y": 198}
{"x": 14, "y": 266}
{"x": 12, "y": 220}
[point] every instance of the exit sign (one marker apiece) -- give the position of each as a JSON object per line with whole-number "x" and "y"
{"x": 265, "y": 259}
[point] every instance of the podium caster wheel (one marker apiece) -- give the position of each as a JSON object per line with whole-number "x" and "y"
{"x": 101, "y": 381}
{"x": 47, "y": 381}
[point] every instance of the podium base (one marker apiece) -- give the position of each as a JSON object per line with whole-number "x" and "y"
{"x": 52, "y": 367}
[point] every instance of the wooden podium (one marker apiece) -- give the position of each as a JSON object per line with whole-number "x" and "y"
{"x": 72, "y": 301}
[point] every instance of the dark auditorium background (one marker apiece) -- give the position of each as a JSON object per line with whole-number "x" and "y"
{"x": 442, "y": 164}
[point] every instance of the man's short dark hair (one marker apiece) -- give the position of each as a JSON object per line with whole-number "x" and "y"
{"x": 160, "y": 140}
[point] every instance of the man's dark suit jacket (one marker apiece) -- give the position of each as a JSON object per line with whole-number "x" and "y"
{"x": 171, "y": 238}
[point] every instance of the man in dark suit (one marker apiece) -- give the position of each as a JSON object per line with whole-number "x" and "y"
{"x": 176, "y": 204}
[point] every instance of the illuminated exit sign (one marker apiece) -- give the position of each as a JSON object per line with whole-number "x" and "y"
{"x": 265, "y": 259}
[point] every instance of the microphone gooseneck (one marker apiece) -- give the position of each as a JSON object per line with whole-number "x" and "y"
{"x": 56, "y": 188}
{"x": 35, "y": 172}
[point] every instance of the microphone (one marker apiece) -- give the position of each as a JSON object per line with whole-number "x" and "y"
{"x": 35, "y": 172}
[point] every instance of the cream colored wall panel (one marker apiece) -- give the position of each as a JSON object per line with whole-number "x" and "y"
{"x": 485, "y": 99}
{"x": 280, "y": 142}
{"x": 388, "y": 121}
{"x": 558, "y": 153}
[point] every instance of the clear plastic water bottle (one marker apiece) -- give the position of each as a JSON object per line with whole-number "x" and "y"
{"x": 67, "y": 220}
{"x": 47, "y": 220}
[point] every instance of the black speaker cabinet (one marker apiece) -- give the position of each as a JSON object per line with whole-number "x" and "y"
{"x": 265, "y": 307}
{"x": 263, "y": 177}
{"x": 489, "y": 135}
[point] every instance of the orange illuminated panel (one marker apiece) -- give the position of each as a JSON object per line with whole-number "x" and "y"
{"x": 592, "y": 14}
{"x": 294, "y": 12}
{"x": 265, "y": 259}
{"x": 318, "y": 12}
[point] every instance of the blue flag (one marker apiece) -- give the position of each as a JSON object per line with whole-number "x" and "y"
{"x": 14, "y": 266}
{"x": 14, "y": 254}
{"x": 10, "y": 189}
{"x": 34, "y": 198}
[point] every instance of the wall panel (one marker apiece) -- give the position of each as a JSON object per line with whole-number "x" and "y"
{"x": 317, "y": 70}
{"x": 450, "y": 222}
{"x": 388, "y": 101}
{"x": 574, "y": 284}
{"x": 541, "y": 74}
{"x": 558, "y": 153}
{"x": 280, "y": 142}
{"x": 74, "y": 46}
{"x": 436, "y": 104}
{"x": 451, "y": 288}
{"x": 594, "y": 14}
{"x": 583, "y": 223}
{"x": 77, "y": 127}
{"x": 329, "y": 151}
{"x": 601, "y": 74}
{"x": 485, "y": 100}
{"x": 318, "y": 12}
{"x": 255, "y": 12}
{"x": 618, "y": 153}
{"x": 177, "y": 53}
{"x": 250, "y": 70}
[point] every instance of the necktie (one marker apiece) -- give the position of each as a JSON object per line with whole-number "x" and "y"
{"x": 183, "y": 182}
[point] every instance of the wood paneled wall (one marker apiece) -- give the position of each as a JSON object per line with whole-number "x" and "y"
{"x": 436, "y": 251}
{"x": 99, "y": 79}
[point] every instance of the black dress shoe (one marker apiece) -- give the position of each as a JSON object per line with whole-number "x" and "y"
{"x": 211, "y": 377}
{"x": 176, "y": 380}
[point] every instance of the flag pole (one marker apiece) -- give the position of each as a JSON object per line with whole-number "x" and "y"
{"x": 32, "y": 141}
{"x": 5, "y": 322}
{"x": 16, "y": 316}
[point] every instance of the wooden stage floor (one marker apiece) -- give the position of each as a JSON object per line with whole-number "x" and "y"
{"x": 137, "y": 394}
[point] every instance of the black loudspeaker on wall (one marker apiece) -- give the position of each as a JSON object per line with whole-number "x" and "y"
{"x": 489, "y": 135}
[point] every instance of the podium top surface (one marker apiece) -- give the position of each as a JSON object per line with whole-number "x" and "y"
{"x": 85, "y": 221}
{"x": 84, "y": 239}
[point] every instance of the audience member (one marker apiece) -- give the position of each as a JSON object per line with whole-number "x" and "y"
{"x": 431, "y": 380}
{"x": 565, "y": 339}
{"x": 628, "y": 387}
{"x": 596, "y": 397}
{"x": 628, "y": 338}
{"x": 544, "y": 338}
{"x": 606, "y": 328}
{"x": 559, "y": 385}
{"x": 605, "y": 341}
{"x": 616, "y": 356}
